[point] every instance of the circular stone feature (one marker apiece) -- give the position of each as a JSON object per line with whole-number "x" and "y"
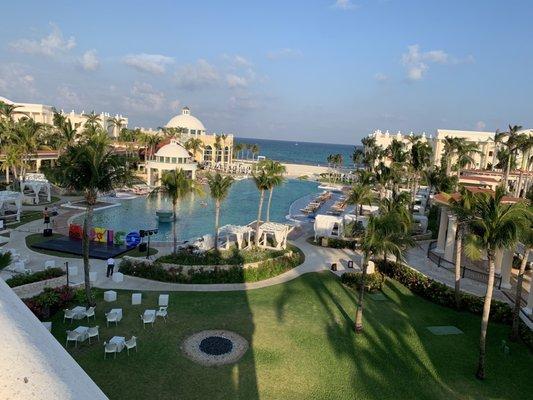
{"x": 216, "y": 345}
{"x": 210, "y": 348}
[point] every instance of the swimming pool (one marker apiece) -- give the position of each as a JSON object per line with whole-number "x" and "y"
{"x": 196, "y": 214}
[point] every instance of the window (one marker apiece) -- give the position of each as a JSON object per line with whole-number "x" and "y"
{"x": 167, "y": 160}
{"x": 173, "y": 160}
{"x": 490, "y": 153}
{"x": 193, "y": 131}
{"x": 161, "y": 159}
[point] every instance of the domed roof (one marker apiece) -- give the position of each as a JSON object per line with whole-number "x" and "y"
{"x": 7, "y": 101}
{"x": 185, "y": 120}
{"x": 173, "y": 149}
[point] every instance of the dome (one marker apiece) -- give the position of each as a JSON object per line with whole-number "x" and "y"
{"x": 186, "y": 120}
{"x": 173, "y": 149}
{"x": 7, "y": 101}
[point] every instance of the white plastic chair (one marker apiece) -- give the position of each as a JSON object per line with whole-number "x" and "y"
{"x": 111, "y": 317}
{"x": 93, "y": 332}
{"x": 130, "y": 344}
{"x": 110, "y": 348}
{"x": 72, "y": 336}
{"x": 90, "y": 313}
{"x": 69, "y": 314}
{"x": 162, "y": 312}
{"x": 148, "y": 319}
{"x": 163, "y": 300}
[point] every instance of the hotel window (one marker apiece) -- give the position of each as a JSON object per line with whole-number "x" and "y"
{"x": 193, "y": 131}
{"x": 173, "y": 160}
{"x": 161, "y": 159}
{"x": 167, "y": 160}
{"x": 490, "y": 153}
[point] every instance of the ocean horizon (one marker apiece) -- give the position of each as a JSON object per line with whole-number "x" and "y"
{"x": 299, "y": 152}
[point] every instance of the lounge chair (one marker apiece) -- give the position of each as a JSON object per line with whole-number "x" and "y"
{"x": 110, "y": 348}
{"x": 130, "y": 344}
{"x": 93, "y": 332}
{"x": 69, "y": 314}
{"x": 148, "y": 319}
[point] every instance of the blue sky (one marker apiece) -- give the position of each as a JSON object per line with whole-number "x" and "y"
{"x": 328, "y": 71}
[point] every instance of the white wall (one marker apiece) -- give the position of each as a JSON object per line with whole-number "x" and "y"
{"x": 33, "y": 365}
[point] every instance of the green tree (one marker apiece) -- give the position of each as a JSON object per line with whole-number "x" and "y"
{"x": 526, "y": 238}
{"x": 262, "y": 182}
{"x": 194, "y": 145}
{"x": 275, "y": 171}
{"x": 358, "y": 196}
{"x": 175, "y": 185}
{"x": 382, "y": 236}
{"x": 91, "y": 167}
{"x": 219, "y": 188}
{"x": 495, "y": 226}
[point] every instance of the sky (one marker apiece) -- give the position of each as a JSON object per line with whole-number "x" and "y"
{"x": 328, "y": 71}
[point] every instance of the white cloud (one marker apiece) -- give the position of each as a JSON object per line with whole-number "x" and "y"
{"x": 68, "y": 97}
{"x": 238, "y": 61}
{"x": 235, "y": 81}
{"x": 198, "y": 75}
{"x": 16, "y": 82}
{"x": 417, "y": 62}
{"x": 175, "y": 105}
{"x": 284, "y": 53}
{"x": 480, "y": 125}
{"x": 344, "y": 5}
{"x": 243, "y": 102}
{"x": 144, "y": 98}
{"x": 151, "y": 63}
{"x": 51, "y": 45}
{"x": 89, "y": 60}
{"x": 381, "y": 77}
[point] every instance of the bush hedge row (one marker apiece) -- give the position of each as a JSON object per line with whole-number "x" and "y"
{"x": 236, "y": 274}
{"x": 24, "y": 279}
{"x": 373, "y": 282}
{"x": 52, "y": 300}
{"x": 443, "y": 295}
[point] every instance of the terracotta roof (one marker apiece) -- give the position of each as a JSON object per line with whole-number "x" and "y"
{"x": 444, "y": 198}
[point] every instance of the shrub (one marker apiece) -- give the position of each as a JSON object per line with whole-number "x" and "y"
{"x": 236, "y": 274}
{"x": 5, "y": 260}
{"x": 50, "y": 301}
{"x": 373, "y": 282}
{"x": 24, "y": 279}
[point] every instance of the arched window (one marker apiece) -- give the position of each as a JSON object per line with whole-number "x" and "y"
{"x": 208, "y": 153}
{"x": 226, "y": 154}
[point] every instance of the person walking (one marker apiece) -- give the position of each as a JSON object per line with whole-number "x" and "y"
{"x": 110, "y": 266}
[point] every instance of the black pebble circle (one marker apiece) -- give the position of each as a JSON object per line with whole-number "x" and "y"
{"x": 216, "y": 345}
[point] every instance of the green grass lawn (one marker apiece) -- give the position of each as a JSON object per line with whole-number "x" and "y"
{"x": 38, "y": 238}
{"x": 25, "y": 217}
{"x": 303, "y": 347}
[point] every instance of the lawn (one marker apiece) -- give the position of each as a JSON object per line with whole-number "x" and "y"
{"x": 303, "y": 347}
{"x": 25, "y": 217}
{"x": 38, "y": 238}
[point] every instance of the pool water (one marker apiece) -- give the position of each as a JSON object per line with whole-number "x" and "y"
{"x": 196, "y": 214}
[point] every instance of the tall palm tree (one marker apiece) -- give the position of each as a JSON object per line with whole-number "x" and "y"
{"x": 495, "y": 226}
{"x": 359, "y": 195}
{"x": 511, "y": 146}
{"x": 382, "y": 236}
{"x": 358, "y": 156}
{"x": 450, "y": 144}
{"x": 524, "y": 144}
{"x": 219, "y": 188}
{"x": 462, "y": 209}
{"x": 262, "y": 182}
{"x": 175, "y": 185}
{"x": 194, "y": 145}
{"x": 237, "y": 148}
{"x": 464, "y": 152}
{"x": 526, "y": 238}
{"x": 91, "y": 167}
{"x": 116, "y": 123}
{"x": 420, "y": 159}
{"x": 91, "y": 120}
{"x": 8, "y": 111}
{"x": 67, "y": 135}
{"x": 275, "y": 171}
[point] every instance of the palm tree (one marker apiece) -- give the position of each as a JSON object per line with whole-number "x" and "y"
{"x": 511, "y": 146}
{"x": 464, "y": 151}
{"x": 116, "y": 123}
{"x": 91, "y": 120}
{"x": 382, "y": 236}
{"x": 219, "y": 188}
{"x": 359, "y": 195}
{"x": 255, "y": 150}
{"x": 527, "y": 241}
{"x": 194, "y": 145}
{"x": 262, "y": 182}
{"x": 450, "y": 144}
{"x": 8, "y": 111}
{"x": 358, "y": 156}
{"x": 420, "y": 159}
{"x": 237, "y": 148}
{"x": 67, "y": 135}
{"x": 494, "y": 226}
{"x": 175, "y": 185}
{"x": 462, "y": 209}
{"x": 275, "y": 171}
{"x": 524, "y": 144}
{"x": 91, "y": 167}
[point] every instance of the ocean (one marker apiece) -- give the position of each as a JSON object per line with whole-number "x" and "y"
{"x": 299, "y": 152}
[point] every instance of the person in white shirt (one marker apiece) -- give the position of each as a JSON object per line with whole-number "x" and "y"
{"x": 110, "y": 266}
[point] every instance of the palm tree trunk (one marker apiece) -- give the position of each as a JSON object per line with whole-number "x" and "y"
{"x": 261, "y": 199}
{"x": 480, "y": 374}
{"x": 87, "y": 223}
{"x": 217, "y": 215}
{"x": 507, "y": 170}
{"x": 518, "y": 297}
{"x": 359, "y": 310}
{"x": 174, "y": 229}
{"x": 268, "y": 204}
{"x": 458, "y": 245}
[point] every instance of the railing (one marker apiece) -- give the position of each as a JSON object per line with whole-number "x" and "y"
{"x": 466, "y": 272}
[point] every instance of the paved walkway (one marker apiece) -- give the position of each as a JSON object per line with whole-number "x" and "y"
{"x": 316, "y": 259}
